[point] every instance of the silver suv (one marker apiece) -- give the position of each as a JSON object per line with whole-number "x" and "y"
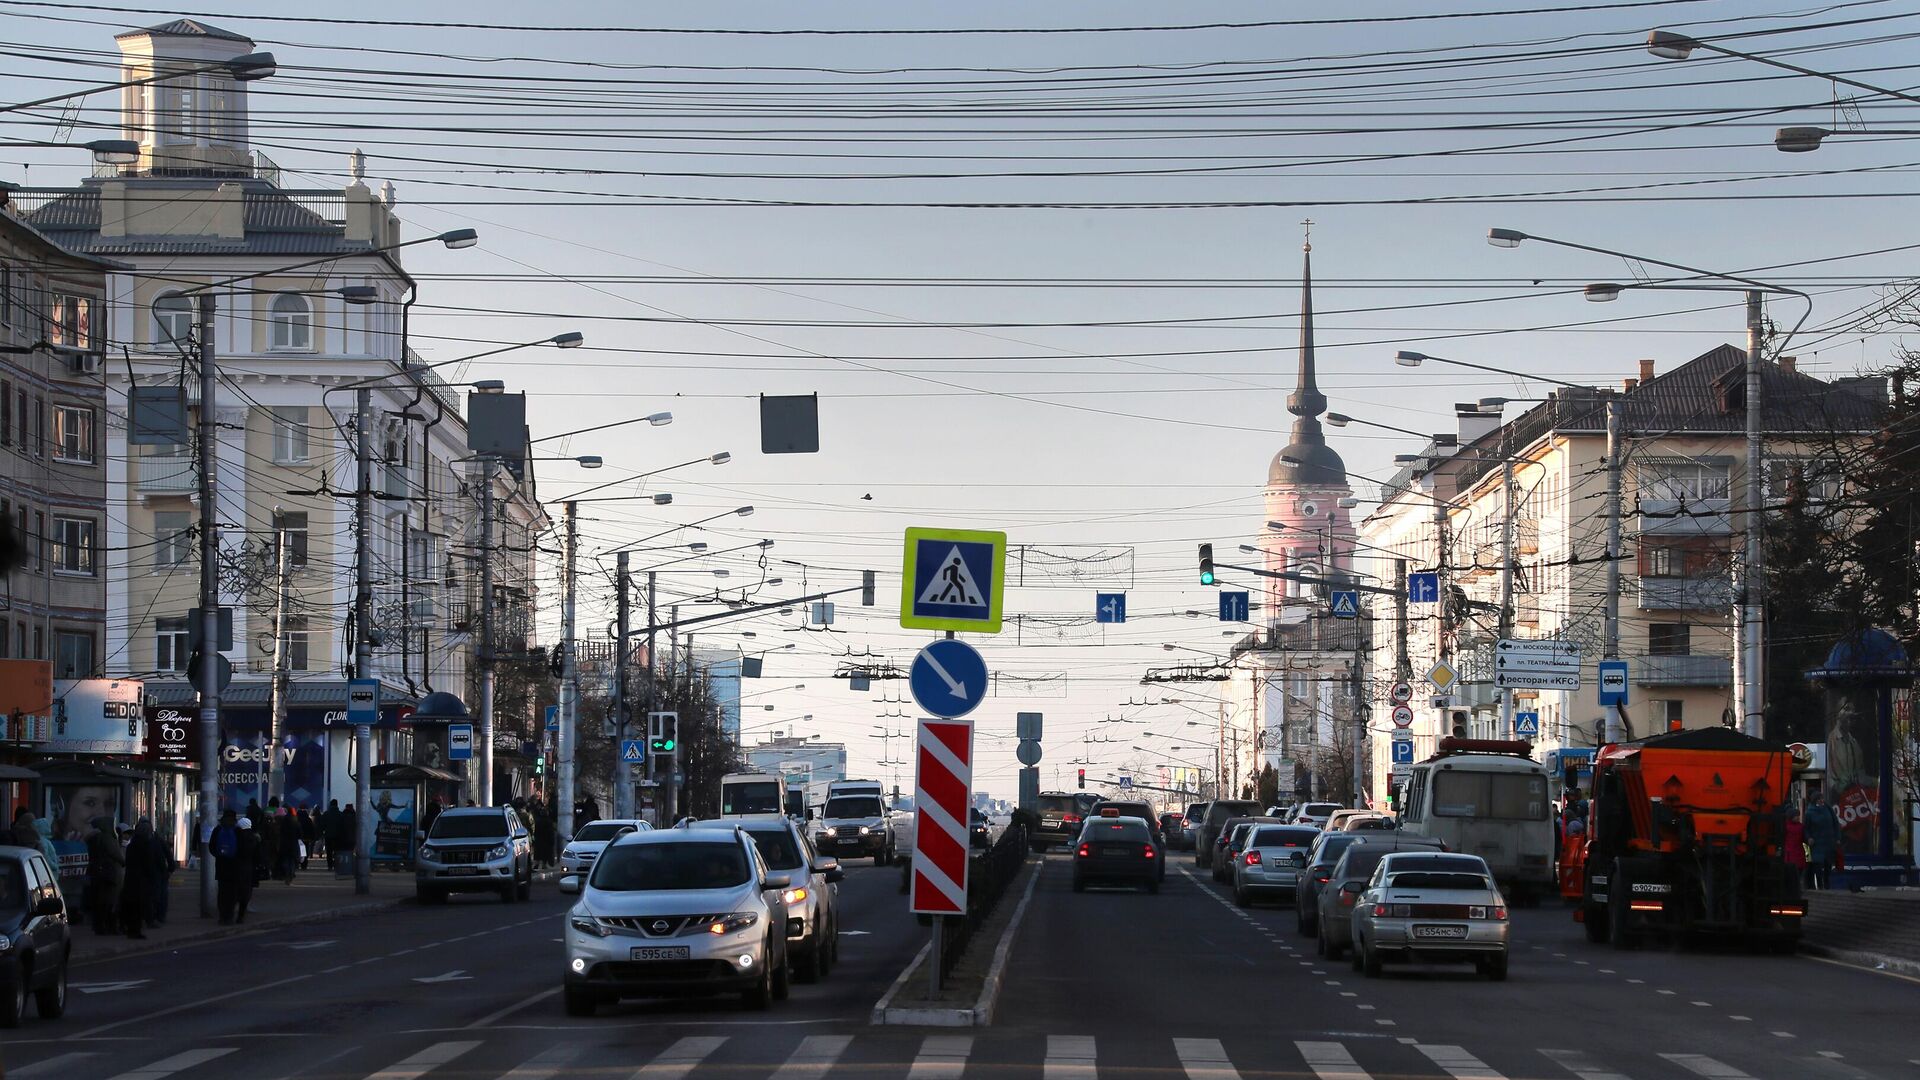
{"x": 674, "y": 912}
{"x": 34, "y": 938}
{"x": 813, "y": 900}
{"x": 475, "y": 849}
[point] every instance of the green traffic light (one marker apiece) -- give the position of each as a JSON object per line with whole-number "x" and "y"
{"x": 1206, "y": 577}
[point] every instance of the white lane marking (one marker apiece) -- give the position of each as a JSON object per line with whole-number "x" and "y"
{"x": 547, "y": 1064}
{"x": 176, "y": 1064}
{"x": 500, "y": 1013}
{"x": 813, "y": 1057}
{"x": 941, "y": 1057}
{"x": 680, "y": 1059}
{"x": 1205, "y": 1059}
{"x": 56, "y": 1063}
{"x": 1580, "y": 1065}
{"x": 425, "y": 1061}
{"x": 1459, "y": 1064}
{"x": 1702, "y": 1065}
{"x": 1330, "y": 1061}
{"x": 1783, "y": 1034}
{"x": 1069, "y": 1057}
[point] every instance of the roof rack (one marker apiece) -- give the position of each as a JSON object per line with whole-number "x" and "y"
{"x": 1511, "y": 747}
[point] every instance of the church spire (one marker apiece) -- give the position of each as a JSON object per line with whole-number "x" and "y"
{"x": 1306, "y": 399}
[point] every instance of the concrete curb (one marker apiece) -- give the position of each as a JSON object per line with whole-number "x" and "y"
{"x": 981, "y": 1012}
{"x": 1879, "y": 963}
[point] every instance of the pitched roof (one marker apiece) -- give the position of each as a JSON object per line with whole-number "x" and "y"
{"x": 186, "y": 28}
{"x": 275, "y": 223}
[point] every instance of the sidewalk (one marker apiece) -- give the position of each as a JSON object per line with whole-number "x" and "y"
{"x": 315, "y": 896}
{"x": 1878, "y": 929}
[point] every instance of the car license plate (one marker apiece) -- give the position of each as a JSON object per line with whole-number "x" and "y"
{"x": 1439, "y": 931}
{"x": 466, "y": 870}
{"x": 1051, "y": 823}
{"x": 660, "y": 952}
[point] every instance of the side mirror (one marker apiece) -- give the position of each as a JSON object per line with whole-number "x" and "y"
{"x": 49, "y": 906}
{"x": 776, "y": 881}
{"x": 570, "y": 884}
{"x": 1299, "y": 858}
{"x": 834, "y": 876}
{"x": 825, "y": 865}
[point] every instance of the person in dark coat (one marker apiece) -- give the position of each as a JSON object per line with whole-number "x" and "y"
{"x": 309, "y": 835}
{"x": 543, "y": 833}
{"x": 349, "y": 832}
{"x": 24, "y": 832}
{"x": 1822, "y": 828}
{"x": 233, "y": 849}
{"x": 430, "y": 815}
{"x": 136, "y": 884}
{"x": 106, "y": 869}
{"x": 164, "y": 864}
{"x": 265, "y": 848}
{"x": 287, "y": 836}
{"x": 330, "y": 832}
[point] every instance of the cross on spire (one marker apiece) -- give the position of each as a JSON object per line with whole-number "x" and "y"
{"x": 1307, "y": 245}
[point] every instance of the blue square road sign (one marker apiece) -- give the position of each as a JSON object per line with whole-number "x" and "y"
{"x": 1110, "y": 607}
{"x": 1423, "y": 588}
{"x": 1234, "y": 607}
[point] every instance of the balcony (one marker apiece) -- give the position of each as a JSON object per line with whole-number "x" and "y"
{"x": 1685, "y": 594}
{"x": 1683, "y": 670}
{"x": 1686, "y": 517}
{"x": 166, "y": 474}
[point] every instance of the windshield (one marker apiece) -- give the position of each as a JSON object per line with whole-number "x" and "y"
{"x": 777, "y": 848}
{"x": 1322, "y": 809}
{"x": 1424, "y": 880}
{"x": 1058, "y": 804}
{"x": 1283, "y": 836}
{"x": 468, "y": 827}
{"x": 601, "y": 830}
{"x": 751, "y": 798}
{"x": 636, "y": 867}
{"x": 852, "y": 806}
{"x": 13, "y": 888}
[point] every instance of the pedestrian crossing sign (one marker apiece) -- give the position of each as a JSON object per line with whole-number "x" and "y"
{"x": 953, "y": 579}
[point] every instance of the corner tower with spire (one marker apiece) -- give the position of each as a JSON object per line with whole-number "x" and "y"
{"x": 1306, "y": 481}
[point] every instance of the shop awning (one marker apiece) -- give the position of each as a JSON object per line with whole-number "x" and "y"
{"x": 413, "y": 774}
{"x": 15, "y": 772}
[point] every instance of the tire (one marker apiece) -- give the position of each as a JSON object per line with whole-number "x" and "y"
{"x": 833, "y": 949}
{"x": 1495, "y": 968}
{"x": 1618, "y": 890}
{"x": 1370, "y": 962}
{"x": 1335, "y": 949}
{"x": 14, "y": 1006}
{"x": 1304, "y": 924}
{"x": 782, "y": 977}
{"x": 760, "y": 996}
{"x": 1241, "y": 898}
{"x": 51, "y": 1001}
{"x": 580, "y": 1001}
{"x": 526, "y": 887}
{"x": 1320, "y": 946}
{"x": 812, "y": 967}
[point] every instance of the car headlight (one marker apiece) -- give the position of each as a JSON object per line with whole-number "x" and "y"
{"x": 833, "y": 832}
{"x": 497, "y": 852}
{"x": 794, "y": 896}
{"x": 428, "y": 851}
{"x": 864, "y": 831}
{"x": 587, "y": 924}
{"x": 739, "y": 920}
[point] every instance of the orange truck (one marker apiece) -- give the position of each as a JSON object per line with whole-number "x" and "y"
{"x": 1684, "y": 836}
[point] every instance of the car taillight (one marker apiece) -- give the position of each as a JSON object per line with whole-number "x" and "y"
{"x": 1496, "y": 913}
{"x": 1149, "y": 851}
{"x": 1322, "y": 878}
{"x": 1253, "y": 858}
{"x": 1347, "y": 898}
{"x": 1070, "y": 819}
{"x": 1379, "y": 911}
{"x": 1086, "y": 850}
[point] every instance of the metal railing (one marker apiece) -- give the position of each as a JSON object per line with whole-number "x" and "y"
{"x": 988, "y": 876}
{"x": 166, "y": 474}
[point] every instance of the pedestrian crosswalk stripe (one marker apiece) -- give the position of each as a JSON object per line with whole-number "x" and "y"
{"x": 1330, "y": 1061}
{"x": 178, "y": 1063}
{"x": 1069, "y": 1057}
{"x": 813, "y": 1057}
{"x": 1581, "y": 1065}
{"x": 942, "y": 1057}
{"x": 56, "y": 1063}
{"x": 1458, "y": 1063}
{"x": 681, "y": 1058}
{"x": 547, "y": 1064}
{"x": 1702, "y": 1065}
{"x": 1205, "y": 1059}
{"x": 425, "y": 1061}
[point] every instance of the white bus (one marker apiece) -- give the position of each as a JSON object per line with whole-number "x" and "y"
{"x": 1488, "y": 798}
{"x": 754, "y": 794}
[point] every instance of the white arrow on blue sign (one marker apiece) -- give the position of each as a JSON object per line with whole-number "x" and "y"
{"x": 1110, "y": 607}
{"x": 1423, "y": 588}
{"x": 948, "y": 678}
{"x": 1234, "y": 607}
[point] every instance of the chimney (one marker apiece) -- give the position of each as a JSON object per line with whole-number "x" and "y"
{"x": 1646, "y": 370}
{"x": 1628, "y": 384}
{"x": 1789, "y": 364}
{"x": 1475, "y": 421}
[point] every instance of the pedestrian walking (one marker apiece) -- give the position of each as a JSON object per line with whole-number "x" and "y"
{"x": 288, "y": 839}
{"x": 1793, "y": 845}
{"x": 430, "y": 815}
{"x": 330, "y": 832}
{"x": 164, "y": 864}
{"x": 106, "y": 867}
{"x": 349, "y": 833}
{"x": 265, "y": 849}
{"x": 543, "y": 831}
{"x": 1822, "y": 827}
{"x": 136, "y": 885}
{"x": 24, "y": 833}
{"x": 232, "y": 849}
{"x": 309, "y": 836}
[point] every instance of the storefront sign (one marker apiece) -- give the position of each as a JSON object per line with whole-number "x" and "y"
{"x": 171, "y": 735}
{"x": 26, "y": 701}
{"x": 393, "y": 825}
{"x": 96, "y": 716}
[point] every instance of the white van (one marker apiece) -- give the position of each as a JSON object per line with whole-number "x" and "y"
{"x": 1487, "y": 797}
{"x": 754, "y": 794}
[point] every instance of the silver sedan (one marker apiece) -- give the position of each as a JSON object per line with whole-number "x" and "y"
{"x": 1434, "y": 908}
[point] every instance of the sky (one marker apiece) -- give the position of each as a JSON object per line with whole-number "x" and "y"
{"x": 1041, "y": 264}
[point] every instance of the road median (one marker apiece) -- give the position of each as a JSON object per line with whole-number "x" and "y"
{"x": 967, "y": 995}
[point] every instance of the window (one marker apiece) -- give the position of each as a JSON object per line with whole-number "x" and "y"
{"x": 39, "y": 426}
{"x": 73, "y": 654}
{"x": 291, "y": 322}
{"x": 73, "y": 434}
{"x": 295, "y": 526}
{"x": 72, "y": 323}
{"x": 290, "y": 445}
{"x": 1662, "y": 562}
{"x": 173, "y": 536}
{"x": 1809, "y": 478}
{"x": 1682, "y": 481}
{"x": 39, "y": 643}
{"x": 73, "y": 545}
{"x": 39, "y": 535}
{"x": 20, "y": 639}
{"x": 20, "y": 417}
{"x": 297, "y": 642}
{"x": 172, "y": 320}
{"x": 170, "y": 640}
{"x": 1669, "y": 639}
{"x": 1667, "y": 714}
{"x": 1514, "y": 796}
{"x": 6, "y": 414}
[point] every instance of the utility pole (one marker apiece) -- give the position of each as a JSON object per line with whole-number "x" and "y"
{"x": 569, "y": 679}
{"x": 209, "y": 614}
{"x": 1402, "y": 663}
{"x": 669, "y": 792}
{"x": 1506, "y": 581}
{"x": 363, "y": 633}
{"x": 277, "y": 716}
{"x": 653, "y": 764}
{"x": 485, "y": 757}
{"x": 622, "y": 772}
{"x": 1615, "y": 435}
{"x": 1749, "y": 644}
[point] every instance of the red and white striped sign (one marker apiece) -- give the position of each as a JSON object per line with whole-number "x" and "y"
{"x": 942, "y": 798}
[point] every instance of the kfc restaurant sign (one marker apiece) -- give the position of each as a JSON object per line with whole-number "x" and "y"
{"x": 170, "y": 735}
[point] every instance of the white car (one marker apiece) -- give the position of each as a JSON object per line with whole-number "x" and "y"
{"x": 592, "y": 838}
{"x": 813, "y": 900}
{"x": 1316, "y": 814}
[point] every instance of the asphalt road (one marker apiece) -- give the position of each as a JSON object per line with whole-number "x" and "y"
{"x": 1106, "y": 983}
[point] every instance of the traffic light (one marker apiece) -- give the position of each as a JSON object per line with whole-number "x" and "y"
{"x": 1393, "y": 799}
{"x": 1083, "y": 778}
{"x": 1458, "y": 720}
{"x": 866, "y": 588}
{"x": 557, "y": 664}
{"x": 540, "y": 765}
{"x": 663, "y": 734}
{"x": 1206, "y": 564}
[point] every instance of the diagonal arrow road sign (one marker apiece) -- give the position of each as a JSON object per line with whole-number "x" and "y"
{"x": 954, "y": 686}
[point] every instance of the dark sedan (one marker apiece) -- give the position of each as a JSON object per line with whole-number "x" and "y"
{"x": 1116, "y": 851}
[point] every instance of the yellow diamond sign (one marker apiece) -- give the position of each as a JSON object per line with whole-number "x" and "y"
{"x": 1442, "y": 676}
